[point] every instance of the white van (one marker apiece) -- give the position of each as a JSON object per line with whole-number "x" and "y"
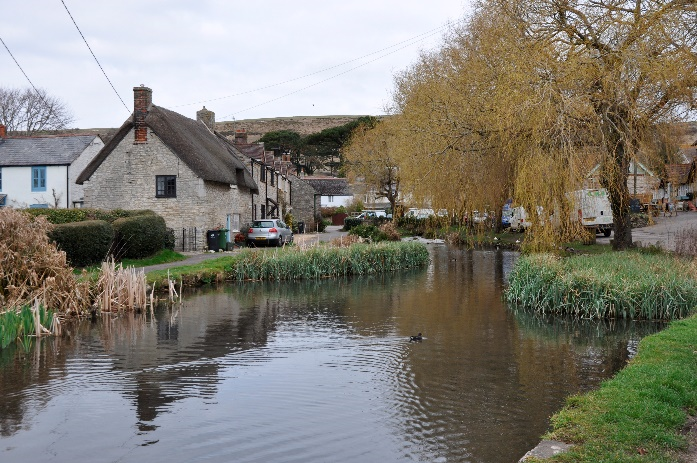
{"x": 519, "y": 219}
{"x": 594, "y": 211}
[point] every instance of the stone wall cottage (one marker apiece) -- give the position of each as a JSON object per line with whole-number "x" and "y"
{"x": 174, "y": 166}
{"x": 40, "y": 171}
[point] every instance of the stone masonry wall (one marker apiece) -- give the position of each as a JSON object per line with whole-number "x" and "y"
{"x": 305, "y": 200}
{"x": 126, "y": 180}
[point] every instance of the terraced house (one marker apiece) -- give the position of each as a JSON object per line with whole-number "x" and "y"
{"x": 175, "y": 166}
{"x": 40, "y": 171}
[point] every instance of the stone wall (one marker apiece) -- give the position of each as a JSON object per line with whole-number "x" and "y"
{"x": 126, "y": 180}
{"x": 305, "y": 200}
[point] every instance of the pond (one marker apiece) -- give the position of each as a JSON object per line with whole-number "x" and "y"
{"x": 310, "y": 372}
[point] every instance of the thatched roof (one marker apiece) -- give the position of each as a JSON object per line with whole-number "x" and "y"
{"x": 207, "y": 155}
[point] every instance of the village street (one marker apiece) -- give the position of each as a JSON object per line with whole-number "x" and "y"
{"x": 663, "y": 232}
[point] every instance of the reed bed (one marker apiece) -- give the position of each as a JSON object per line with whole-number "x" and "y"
{"x": 628, "y": 285}
{"x": 121, "y": 289}
{"x": 18, "y": 324}
{"x": 301, "y": 263}
{"x": 327, "y": 262}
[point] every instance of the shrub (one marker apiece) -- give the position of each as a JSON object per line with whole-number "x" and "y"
{"x": 390, "y": 231}
{"x": 139, "y": 236}
{"x": 350, "y": 222}
{"x": 31, "y": 267}
{"x": 370, "y": 232}
{"x": 84, "y": 243}
{"x": 57, "y": 216}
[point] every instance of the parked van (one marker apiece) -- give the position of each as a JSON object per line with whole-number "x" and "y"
{"x": 519, "y": 219}
{"x": 594, "y": 211}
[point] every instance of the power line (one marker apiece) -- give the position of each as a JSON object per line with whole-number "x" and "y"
{"x": 20, "y": 67}
{"x": 409, "y": 42}
{"x": 95, "y": 58}
{"x": 434, "y": 31}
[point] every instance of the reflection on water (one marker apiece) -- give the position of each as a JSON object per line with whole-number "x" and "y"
{"x": 311, "y": 372}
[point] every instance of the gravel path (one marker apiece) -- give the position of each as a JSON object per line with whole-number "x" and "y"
{"x": 663, "y": 232}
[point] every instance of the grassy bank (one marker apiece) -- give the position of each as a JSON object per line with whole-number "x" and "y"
{"x": 638, "y": 415}
{"x": 629, "y": 285}
{"x": 295, "y": 263}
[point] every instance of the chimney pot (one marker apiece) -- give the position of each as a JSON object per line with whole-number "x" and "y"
{"x": 3, "y": 131}
{"x": 142, "y": 100}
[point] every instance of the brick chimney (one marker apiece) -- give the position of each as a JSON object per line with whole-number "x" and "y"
{"x": 142, "y": 99}
{"x": 241, "y": 136}
{"x": 3, "y": 131}
{"x": 207, "y": 117}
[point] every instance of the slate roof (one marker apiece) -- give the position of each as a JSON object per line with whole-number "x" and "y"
{"x": 211, "y": 157}
{"x": 42, "y": 151}
{"x": 329, "y": 186}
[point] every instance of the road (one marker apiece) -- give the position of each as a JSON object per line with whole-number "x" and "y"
{"x": 663, "y": 232}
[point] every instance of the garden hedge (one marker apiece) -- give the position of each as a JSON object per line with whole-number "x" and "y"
{"x": 139, "y": 236}
{"x": 84, "y": 243}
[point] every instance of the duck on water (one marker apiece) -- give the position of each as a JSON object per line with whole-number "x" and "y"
{"x": 418, "y": 337}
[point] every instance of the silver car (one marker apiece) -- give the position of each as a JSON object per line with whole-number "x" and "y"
{"x": 269, "y": 232}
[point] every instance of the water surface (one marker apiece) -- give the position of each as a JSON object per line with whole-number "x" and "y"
{"x": 310, "y": 372}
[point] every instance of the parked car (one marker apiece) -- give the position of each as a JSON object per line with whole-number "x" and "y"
{"x": 269, "y": 232}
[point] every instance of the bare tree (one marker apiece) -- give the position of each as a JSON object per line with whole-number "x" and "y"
{"x": 29, "y": 111}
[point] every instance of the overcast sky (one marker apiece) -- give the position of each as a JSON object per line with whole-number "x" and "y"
{"x": 241, "y": 60}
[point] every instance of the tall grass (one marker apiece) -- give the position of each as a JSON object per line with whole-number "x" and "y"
{"x": 627, "y": 285}
{"x": 297, "y": 263}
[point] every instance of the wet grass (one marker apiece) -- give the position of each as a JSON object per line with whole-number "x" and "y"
{"x": 300, "y": 263}
{"x": 637, "y": 416}
{"x": 630, "y": 284}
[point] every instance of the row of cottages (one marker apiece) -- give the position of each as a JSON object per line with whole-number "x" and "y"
{"x": 40, "y": 171}
{"x": 191, "y": 175}
{"x": 175, "y": 166}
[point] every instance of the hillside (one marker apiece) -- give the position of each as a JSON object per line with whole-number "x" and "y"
{"x": 304, "y": 125}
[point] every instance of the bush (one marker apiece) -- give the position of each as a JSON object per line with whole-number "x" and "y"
{"x": 350, "y": 222}
{"x": 139, "y": 236}
{"x": 370, "y": 232}
{"x": 58, "y": 216}
{"x": 84, "y": 243}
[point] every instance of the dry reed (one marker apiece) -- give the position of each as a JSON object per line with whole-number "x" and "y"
{"x": 121, "y": 289}
{"x": 32, "y": 268}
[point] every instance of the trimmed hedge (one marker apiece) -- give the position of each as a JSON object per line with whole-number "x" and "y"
{"x": 139, "y": 236}
{"x": 84, "y": 243}
{"x": 58, "y": 216}
{"x": 350, "y": 222}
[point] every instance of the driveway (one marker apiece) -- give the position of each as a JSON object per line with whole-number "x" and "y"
{"x": 663, "y": 232}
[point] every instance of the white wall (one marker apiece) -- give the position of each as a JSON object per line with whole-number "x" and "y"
{"x": 335, "y": 201}
{"x": 16, "y": 184}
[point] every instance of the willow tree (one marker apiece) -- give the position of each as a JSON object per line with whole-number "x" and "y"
{"x": 636, "y": 63}
{"x": 371, "y": 158}
{"x": 527, "y": 95}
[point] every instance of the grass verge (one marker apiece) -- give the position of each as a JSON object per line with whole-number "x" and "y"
{"x": 162, "y": 257}
{"x": 296, "y": 263}
{"x": 628, "y": 284}
{"x": 637, "y": 416}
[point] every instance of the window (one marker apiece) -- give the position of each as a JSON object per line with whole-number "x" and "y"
{"x": 330, "y": 199}
{"x": 166, "y": 186}
{"x": 0, "y": 178}
{"x": 38, "y": 206}
{"x": 273, "y": 176}
{"x": 262, "y": 173}
{"x": 38, "y": 178}
{"x": 263, "y": 211}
